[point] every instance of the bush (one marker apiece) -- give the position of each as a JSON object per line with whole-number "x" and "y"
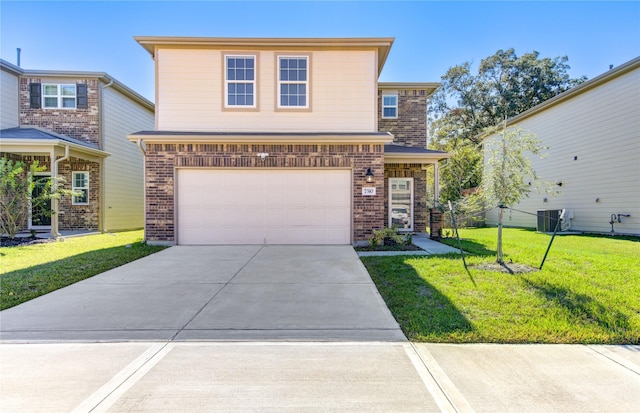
{"x": 389, "y": 237}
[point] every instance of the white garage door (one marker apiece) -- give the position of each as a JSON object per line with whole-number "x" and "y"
{"x": 263, "y": 206}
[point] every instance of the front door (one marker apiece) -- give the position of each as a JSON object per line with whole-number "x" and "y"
{"x": 40, "y": 217}
{"x": 401, "y": 203}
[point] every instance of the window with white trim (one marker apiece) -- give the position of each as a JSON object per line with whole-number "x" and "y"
{"x": 56, "y": 96}
{"x": 293, "y": 82}
{"x": 80, "y": 184}
{"x": 389, "y": 106}
{"x": 240, "y": 81}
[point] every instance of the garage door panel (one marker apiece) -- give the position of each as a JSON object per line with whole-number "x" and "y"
{"x": 263, "y": 206}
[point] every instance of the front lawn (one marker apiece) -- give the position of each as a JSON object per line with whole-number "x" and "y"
{"x": 31, "y": 271}
{"x": 587, "y": 292}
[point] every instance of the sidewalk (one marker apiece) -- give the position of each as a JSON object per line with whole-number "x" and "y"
{"x": 318, "y": 376}
{"x": 422, "y": 240}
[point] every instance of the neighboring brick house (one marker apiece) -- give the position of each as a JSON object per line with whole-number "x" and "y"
{"x": 75, "y": 124}
{"x": 282, "y": 141}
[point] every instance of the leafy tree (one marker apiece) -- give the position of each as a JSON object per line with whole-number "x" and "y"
{"x": 509, "y": 175}
{"x": 466, "y": 104}
{"x": 16, "y": 188}
{"x": 463, "y": 170}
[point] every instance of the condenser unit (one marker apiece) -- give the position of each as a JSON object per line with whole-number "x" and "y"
{"x": 547, "y": 220}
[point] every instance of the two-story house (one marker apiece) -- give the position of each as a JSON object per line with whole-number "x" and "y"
{"x": 76, "y": 125}
{"x": 282, "y": 141}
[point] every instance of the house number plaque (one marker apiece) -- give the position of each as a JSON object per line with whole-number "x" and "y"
{"x": 369, "y": 191}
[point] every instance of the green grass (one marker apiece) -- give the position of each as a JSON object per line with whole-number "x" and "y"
{"x": 31, "y": 271}
{"x": 587, "y": 292}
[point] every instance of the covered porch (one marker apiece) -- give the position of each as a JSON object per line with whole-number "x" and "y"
{"x": 407, "y": 186}
{"x": 65, "y": 157}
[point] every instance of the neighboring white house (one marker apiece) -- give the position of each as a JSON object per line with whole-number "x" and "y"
{"x": 593, "y": 134}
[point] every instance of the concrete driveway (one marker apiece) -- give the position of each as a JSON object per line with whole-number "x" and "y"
{"x": 274, "y": 329}
{"x": 215, "y": 293}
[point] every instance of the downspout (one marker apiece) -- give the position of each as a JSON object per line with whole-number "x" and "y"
{"x": 55, "y": 203}
{"x": 101, "y": 161}
{"x": 144, "y": 183}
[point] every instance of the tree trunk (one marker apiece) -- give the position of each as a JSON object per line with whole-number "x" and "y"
{"x": 499, "y": 258}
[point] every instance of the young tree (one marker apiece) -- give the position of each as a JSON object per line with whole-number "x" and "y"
{"x": 16, "y": 194}
{"x": 509, "y": 175}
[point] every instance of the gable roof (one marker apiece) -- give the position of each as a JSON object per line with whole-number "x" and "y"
{"x": 102, "y": 76}
{"x": 382, "y": 44}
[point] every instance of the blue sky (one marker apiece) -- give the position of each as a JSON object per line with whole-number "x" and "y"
{"x": 430, "y": 36}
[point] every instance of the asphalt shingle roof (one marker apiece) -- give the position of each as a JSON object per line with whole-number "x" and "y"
{"x": 40, "y": 134}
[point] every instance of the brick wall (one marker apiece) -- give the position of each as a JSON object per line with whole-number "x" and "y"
{"x": 410, "y": 128}
{"x": 76, "y": 217}
{"x": 162, "y": 159}
{"x": 81, "y": 124}
{"x": 421, "y": 214}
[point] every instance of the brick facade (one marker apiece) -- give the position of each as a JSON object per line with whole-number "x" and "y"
{"x": 81, "y": 124}
{"x": 410, "y": 127}
{"x": 76, "y": 217}
{"x": 415, "y": 171}
{"x": 162, "y": 159}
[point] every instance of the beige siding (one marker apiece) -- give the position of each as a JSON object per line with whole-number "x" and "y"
{"x": 600, "y": 127}
{"x": 124, "y": 178}
{"x": 9, "y": 100}
{"x": 190, "y": 94}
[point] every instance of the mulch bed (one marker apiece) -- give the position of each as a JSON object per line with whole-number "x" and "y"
{"x": 22, "y": 241}
{"x": 390, "y": 248}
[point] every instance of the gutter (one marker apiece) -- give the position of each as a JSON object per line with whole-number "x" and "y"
{"x": 140, "y": 147}
{"x": 55, "y": 201}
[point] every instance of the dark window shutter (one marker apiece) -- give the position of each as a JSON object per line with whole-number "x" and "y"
{"x": 81, "y": 96}
{"x": 35, "y": 95}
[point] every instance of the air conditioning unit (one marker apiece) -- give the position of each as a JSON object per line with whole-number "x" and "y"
{"x": 547, "y": 220}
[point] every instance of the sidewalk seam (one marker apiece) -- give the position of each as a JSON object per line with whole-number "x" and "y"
{"x": 609, "y": 355}
{"x": 122, "y": 381}
{"x": 439, "y": 378}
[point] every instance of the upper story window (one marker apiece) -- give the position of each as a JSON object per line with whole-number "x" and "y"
{"x": 389, "y": 106}
{"x": 240, "y": 82}
{"x": 58, "y": 96}
{"x": 293, "y": 82}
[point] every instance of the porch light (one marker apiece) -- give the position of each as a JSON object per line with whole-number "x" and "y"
{"x": 369, "y": 175}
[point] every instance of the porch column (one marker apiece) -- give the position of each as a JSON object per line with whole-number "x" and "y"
{"x": 54, "y": 188}
{"x": 54, "y": 201}
{"x": 436, "y": 183}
